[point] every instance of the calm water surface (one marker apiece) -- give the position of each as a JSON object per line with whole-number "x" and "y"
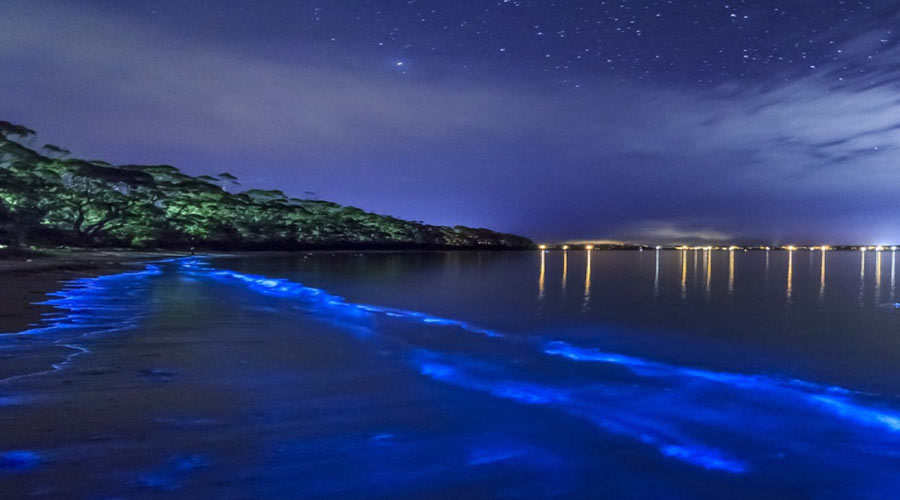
{"x": 672, "y": 374}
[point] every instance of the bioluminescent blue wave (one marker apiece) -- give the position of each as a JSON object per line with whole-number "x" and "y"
{"x": 572, "y": 401}
{"x": 652, "y": 368}
{"x": 168, "y": 476}
{"x": 663, "y": 417}
{"x": 830, "y": 398}
{"x": 18, "y": 460}
{"x": 87, "y": 306}
{"x": 286, "y": 288}
{"x": 98, "y": 302}
{"x": 420, "y": 402}
{"x": 489, "y": 456}
{"x": 867, "y": 416}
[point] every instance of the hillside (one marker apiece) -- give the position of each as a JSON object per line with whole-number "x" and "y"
{"x": 48, "y": 198}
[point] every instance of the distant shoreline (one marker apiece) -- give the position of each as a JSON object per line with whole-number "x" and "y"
{"x": 736, "y": 248}
{"x": 27, "y": 277}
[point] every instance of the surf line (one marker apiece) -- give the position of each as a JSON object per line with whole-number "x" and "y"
{"x": 832, "y": 399}
{"x": 84, "y": 307}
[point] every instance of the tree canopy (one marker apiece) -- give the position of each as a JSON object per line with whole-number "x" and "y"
{"x": 54, "y": 199}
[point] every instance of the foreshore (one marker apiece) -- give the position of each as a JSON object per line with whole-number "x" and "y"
{"x": 26, "y": 280}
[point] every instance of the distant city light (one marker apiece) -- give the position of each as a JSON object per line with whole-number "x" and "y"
{"x": 732, "y": 248}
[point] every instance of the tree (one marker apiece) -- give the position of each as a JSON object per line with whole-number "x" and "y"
{"x": 53, "y": 198}
{"x": 91, "y": 201}
{"x": 227, "y": 180}
{"x": 56, "y": 150}
{"x": 11, "y": 130}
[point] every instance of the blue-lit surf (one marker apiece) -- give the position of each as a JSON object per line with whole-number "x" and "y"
{"x": 85, "y": 306}
{"x": 300, "y": 390}
{"x": 583, "y": 404}
{"x": 336, "y": 305}
{"x": 661, "y": 416}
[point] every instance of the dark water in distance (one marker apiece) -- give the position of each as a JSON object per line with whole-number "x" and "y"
{"x": 777, "y": 312}
{"x": 621, "y": 374}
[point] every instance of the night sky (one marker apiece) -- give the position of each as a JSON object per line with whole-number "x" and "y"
{"x": 768, "y": 121}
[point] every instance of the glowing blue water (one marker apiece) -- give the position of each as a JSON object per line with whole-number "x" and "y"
{"x": 85, "y": 306}
{"x": 415, "y": 404}
{"x": 18, "y": 461}
{"x": 652, "y": 422}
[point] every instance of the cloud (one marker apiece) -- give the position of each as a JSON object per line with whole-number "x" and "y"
{"x": 662, "y": 232}
{"x": 482, "y": 151}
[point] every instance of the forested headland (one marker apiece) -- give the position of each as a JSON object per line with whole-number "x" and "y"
{"x": 48, "y": 198}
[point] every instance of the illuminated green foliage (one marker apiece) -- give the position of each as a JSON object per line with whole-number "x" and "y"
{"x": 52, "y": 199}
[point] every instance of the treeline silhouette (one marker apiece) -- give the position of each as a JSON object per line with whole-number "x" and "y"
{"x": 49, "y": 198}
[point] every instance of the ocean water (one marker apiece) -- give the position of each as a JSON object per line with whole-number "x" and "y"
{"x": 604, "y": 374}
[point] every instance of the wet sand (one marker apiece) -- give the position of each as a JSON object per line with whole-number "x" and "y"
{"x": 26, "y": 281}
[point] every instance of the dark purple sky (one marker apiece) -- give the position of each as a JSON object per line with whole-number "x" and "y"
{"x": 771, "y": 121}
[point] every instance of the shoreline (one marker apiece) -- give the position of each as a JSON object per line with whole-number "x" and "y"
{"x": 26, "y": 281}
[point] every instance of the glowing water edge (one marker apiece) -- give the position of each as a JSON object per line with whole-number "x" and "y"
{"x": 461, "y": 375}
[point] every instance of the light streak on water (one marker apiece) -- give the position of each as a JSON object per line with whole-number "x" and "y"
{"x": 695, "y": 268}
{"x": 893, "y": 269}
{"x": 877, "y": 277}
{"x": 541, "y": 276}
{"x": 730, "y": 272}
{"x": 586, "y": 304}
{"x": 822, "y": 276}
{"x": 707, "y": 259}
{"x": 656, "y": 276}
{"x": 790, "y": 277}
{"x": 862, "y": 276}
